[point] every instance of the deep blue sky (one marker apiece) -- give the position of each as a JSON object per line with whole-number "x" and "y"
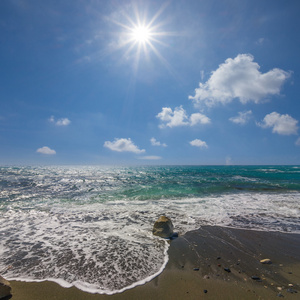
{"x": 216, "y": 82}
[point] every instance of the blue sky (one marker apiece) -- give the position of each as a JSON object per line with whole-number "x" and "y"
{"x": 149, "y": 82}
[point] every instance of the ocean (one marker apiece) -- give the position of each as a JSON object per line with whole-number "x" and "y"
{"x": 91, "y": 227}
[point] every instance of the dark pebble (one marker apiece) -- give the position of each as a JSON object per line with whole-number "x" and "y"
{"x": 219, "y": 257}
{"x": 196, "y": 269}
{"x": 292, "y": 291}
{"x": 205, "y": 291}
{"x": 290, "y": 272}
{"x": 280, "y": 295}
{"x": 227, "y": 270}
{"x": 256, "y": 278}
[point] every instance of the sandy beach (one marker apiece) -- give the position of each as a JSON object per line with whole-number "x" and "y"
{"x": 208, "y": 263}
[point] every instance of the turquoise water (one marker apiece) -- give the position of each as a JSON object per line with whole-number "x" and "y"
{"x": 91, "y": 226}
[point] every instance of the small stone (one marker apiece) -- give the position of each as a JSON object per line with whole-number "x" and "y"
{"x": 196, "y": 269}
{"x": 227, "y": 270}
{"x": 206, "y": 277}
{"x": 205, "y": 291}
{"x": 219, "y": 257}
{"x": 291, "y": 285}
{"x": 266, "y": 261}
{"x": 256, "y": 278}
{"x": 279, "y": 288}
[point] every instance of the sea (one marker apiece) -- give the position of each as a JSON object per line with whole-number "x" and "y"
{"x": 91, "y": 226}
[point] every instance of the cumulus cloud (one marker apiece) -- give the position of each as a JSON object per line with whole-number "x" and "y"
{"x": 151, "y": 157}
{"x": 239, "y": 78}
{"x": 46, "y": 150}
{"x": 242, "y": 118}
{"x": 281, "y": 124}
{"x": 60, "y": 122}
{"x": 179, "y": 117}
{"x": 154, "y": 142}
{"x": 199, "y": 143}
{"x": 123, "y": 145}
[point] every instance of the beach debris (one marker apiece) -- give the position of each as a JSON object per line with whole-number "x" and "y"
{"x": 227, "y": 270}
{"x": 5, "y": 288}
{"x": 266, "y": 261}
{"x": 256, "y": 278}
{"x": 163, "y": 227}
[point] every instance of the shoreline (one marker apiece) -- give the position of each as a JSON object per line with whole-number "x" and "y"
{"x": 212, "y": 263}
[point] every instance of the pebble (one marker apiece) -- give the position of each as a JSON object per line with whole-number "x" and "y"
{"x": 279, "y": 288}
{"x": 196, "y": 269}
{"x": 280, "y": 295}
{"x": 205, "y": 291}
{"x": 256, "y": 278}
{"x": 266, "y": 261}
{"x": 227, "y": 270}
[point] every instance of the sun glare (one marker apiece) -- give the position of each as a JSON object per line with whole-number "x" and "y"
{"x": 141, "y": 34}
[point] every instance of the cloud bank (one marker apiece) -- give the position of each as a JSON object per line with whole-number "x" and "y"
{"x": 239, "y": 78}
{"x": 123, "y": 145}
{"x": 281, "y": 124}
{"x": 46, "y": 150}
{"x": 179, "y": 117}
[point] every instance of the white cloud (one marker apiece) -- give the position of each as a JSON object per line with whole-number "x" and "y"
{"x": 46, "y": 150}
{"x": 60, "y": 122}
{"x": 298, "y": 142}
{"x": 281, "y": 124}
{"x": 154, "y": 142}
{"x": 199, "y": 118}
{"x": 242, "y": 118}
{"x": 239, "y": 78}
{"x": 199, "y": 143}
{"x": 179, "y": 117}
{"x": 151, "y": 157}
{"x": 173, "y": 119}
{"x": 123, "y": 145}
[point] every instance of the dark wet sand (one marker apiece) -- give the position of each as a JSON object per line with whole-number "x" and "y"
{"x": 209, "y": 263}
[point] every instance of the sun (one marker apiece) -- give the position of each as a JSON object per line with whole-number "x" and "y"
{"x": 141, "y": 34}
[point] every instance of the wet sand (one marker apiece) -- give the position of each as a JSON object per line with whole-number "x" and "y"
{"x": 209, "y": 263}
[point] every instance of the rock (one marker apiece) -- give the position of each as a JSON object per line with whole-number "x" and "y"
{"x": 196, "y": 269}
{"x": 266, "y": 261}
{"x": 5, "y": 288}
{"x": 227, "y": 270}
{"x": 163, "y": 227}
